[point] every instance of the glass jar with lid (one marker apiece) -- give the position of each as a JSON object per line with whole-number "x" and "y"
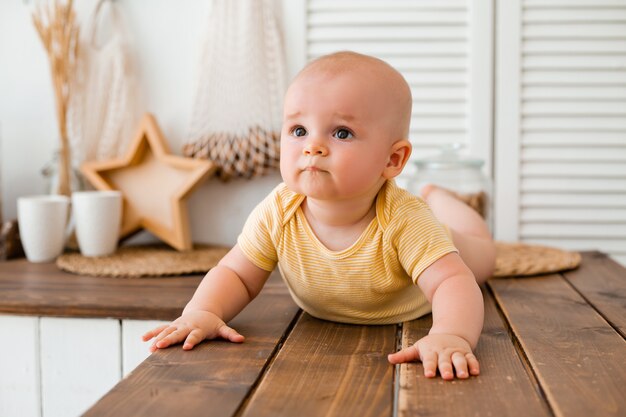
{"x": 461, "y": 174}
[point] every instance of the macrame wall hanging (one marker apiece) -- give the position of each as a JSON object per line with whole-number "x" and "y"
{"x": 104, "y": 112}
{"x": 238, "y": 106}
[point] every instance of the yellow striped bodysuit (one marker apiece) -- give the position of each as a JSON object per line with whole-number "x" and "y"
{"x": 371, "y": 282}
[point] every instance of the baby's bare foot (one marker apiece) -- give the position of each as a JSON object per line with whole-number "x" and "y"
{"x": 476, "y": 201}
{"x": 426, "y": 190}
{"x": 429, "y": 189}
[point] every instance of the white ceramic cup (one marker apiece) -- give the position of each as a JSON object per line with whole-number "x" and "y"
{"x": 43, "y": 223}
{"x": 97, "y": 218}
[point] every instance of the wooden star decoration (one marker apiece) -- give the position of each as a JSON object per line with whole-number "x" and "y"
{"x": 154, "y": 184}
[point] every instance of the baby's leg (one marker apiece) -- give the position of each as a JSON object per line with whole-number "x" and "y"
{"x": 470, "y": 233}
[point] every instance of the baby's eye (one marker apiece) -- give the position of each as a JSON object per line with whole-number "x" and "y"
{"x": 299, "y": 131}
{"x": 343, "y": 134}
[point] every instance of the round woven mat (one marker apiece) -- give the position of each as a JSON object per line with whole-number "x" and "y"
{"x": 518, "y": 259}
{"x": 513, "y": 259}
{"x": 144, "y": 261}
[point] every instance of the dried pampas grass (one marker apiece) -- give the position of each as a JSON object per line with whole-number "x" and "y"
{"x": 58, "y": 30}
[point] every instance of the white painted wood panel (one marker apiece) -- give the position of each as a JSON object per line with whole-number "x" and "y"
{"x": 319, "y": 5}
{"x": 587, "y": 170}
{"x": 134, "y": 350}
{"x": 575, "y": 153}
{"x": 602, "y": 215}
{"x": 19, "y": 367}
{"x": 574, "y": 138}
{"x": 581, "y": 200}
{"x": 77, "y": 361}
{"x": 507, "y": 180}
{"x": 581, "y": 46}
{"x": 573, "y": 16}
{"x": 589, "y": 186}
{"x": 80, "y": 362}
{"x": 566, "y": 96}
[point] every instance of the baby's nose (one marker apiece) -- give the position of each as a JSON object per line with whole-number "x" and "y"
{"x": 315, "y": 149}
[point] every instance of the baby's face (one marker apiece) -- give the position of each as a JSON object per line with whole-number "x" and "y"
{"x": 337, "y": 134}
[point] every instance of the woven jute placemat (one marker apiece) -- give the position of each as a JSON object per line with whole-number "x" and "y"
{"x": 519, "y": 259}
{"x": 144, "y": 261}
{"x": 513, "y": 259}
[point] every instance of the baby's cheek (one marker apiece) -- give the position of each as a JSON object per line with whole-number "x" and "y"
{"x": 286, "y": 164}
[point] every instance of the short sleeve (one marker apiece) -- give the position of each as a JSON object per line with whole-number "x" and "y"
{"x": 259, "y": 234}
{"x": 420, "y": 239}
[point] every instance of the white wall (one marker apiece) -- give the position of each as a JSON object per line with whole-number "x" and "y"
{"x": 166, "y": 38}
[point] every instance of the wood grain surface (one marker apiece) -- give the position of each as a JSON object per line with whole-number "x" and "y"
{"x": 329, "y": 369}
{"x": 600, "y": 281}
{"x": 503, "y": 388}
{"x": 44, "y": 290}
{"x": 214, "y": 378}
{"x": 577, "y": 356}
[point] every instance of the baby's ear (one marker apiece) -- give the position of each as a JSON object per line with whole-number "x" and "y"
{"x": 398, "y": 157}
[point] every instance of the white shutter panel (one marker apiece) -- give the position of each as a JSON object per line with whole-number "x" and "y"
{"x": 429, "y": 42}
{"x": 571, "y": 130}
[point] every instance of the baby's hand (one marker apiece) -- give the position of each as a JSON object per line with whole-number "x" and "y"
{"x": 192, "y": 327}
{"x": 440, "y": 351}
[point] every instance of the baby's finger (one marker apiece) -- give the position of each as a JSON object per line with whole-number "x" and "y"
{"x": 429, "y": 360}
{"x": 407, "y": 354}
{"x": 176, "y": 336}
{"x": 163, "y": 335}
{"x": 229, "y": 333}
{"x": 445, "y": 367}
{"x": 193, "y": 339}
{"x": 151, "y": 333}
{"x": 472, "y": 362}
{"x": 164, "y": 332}
{"x": 460, "y": 365}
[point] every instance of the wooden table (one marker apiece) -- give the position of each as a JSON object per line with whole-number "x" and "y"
{"x": 41, "y": 289}
{"x": 551, "y": 345}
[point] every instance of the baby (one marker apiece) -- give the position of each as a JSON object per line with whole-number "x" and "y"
{"x": 351, "y": 245}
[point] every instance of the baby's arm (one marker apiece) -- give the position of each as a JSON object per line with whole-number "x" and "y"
{"x": 458, "y": 312}
{"x": 223, "y": 293}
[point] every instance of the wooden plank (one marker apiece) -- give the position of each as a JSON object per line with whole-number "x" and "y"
{"x": 602, "y": 282}
{"x": 44, "y": 290}
{"x": 19, "y": 367}
{"x": 577, "y": 357}
{"x": 214, "y": 378}
{"x": 80, "y": 362}
{"x": 329, "y": 369}
{"x": 503, "y": 388}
